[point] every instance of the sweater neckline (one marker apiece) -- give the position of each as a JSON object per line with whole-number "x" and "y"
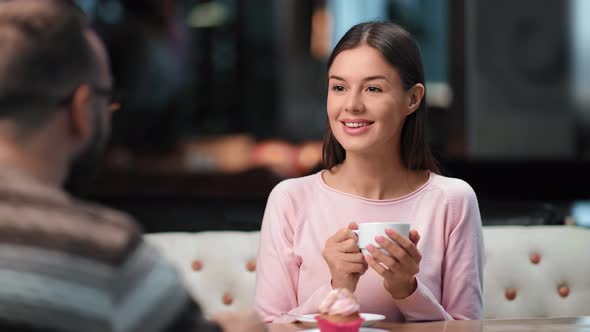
{"x": 325, "y": 186}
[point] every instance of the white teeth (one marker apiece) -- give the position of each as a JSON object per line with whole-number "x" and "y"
{"x": 355, "y": 124}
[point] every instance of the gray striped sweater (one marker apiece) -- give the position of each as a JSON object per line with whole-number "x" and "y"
{"x": 66, "y": 265}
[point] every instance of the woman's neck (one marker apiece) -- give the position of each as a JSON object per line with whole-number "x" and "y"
{"x": 376, "y": 177}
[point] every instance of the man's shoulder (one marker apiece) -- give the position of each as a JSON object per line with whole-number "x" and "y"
{"x": 62, "y": 223}
{"x": 112, "y": 232}
{"x": 96, "y": 213}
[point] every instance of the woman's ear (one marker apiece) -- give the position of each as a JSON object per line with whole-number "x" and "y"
{"x": 415, "y": 95}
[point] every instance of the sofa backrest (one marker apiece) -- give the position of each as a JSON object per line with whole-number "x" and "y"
{"x": 536, "y": 271}
{"x": 218, "y": 268}
{"x": 529, "y": 271}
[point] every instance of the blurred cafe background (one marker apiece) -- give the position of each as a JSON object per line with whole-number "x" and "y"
{"x": 222, "y": 99}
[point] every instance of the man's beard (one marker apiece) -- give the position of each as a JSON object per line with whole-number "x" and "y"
{"x": 84, "y": 168}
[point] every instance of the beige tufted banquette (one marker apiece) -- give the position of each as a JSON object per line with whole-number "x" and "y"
{"x": 530, "y": 271}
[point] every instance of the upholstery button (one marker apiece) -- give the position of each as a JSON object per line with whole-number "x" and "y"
{"x": 510, "y": 294}
{"x": 227, "y": 299}
{"x": 563, "y": 290}
{"x": 535, "y": 258}
{"x": 197, "y": 265}
{"x": 251, "y": 265}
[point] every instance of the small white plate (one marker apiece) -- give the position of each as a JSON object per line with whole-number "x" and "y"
{"x": 370, "y": 319}
{"x": 362, "y": 329}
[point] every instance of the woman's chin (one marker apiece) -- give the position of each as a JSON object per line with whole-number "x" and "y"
{"x": 359, "y": 148}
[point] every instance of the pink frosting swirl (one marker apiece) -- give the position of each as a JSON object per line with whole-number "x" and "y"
{"x": 339, "y": 302}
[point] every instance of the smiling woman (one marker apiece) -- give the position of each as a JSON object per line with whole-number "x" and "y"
{"x": 365, "y": 104}
{"x": 389, "y": 74}
{"x": 378, "y": 168}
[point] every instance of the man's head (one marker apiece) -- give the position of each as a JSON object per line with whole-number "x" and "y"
{"x": 54, "y": 78}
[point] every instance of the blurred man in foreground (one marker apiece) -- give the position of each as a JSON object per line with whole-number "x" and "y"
{"x": 66, "y": 265}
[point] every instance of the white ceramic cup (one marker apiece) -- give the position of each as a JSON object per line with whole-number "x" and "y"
{"x": 367, "y": 232}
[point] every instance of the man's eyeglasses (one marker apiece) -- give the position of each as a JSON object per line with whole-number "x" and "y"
{"x": 110, "y": 94}
{"x": 106, "y": 92}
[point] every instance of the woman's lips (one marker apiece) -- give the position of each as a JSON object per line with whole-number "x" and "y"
{"x": 356, "y": 127}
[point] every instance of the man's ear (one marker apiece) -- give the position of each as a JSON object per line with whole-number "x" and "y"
{"x": 80, "y": 114}
{"x": 415, "y": 95}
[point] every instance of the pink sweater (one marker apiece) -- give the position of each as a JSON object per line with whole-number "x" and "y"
{"x": 292, "y": 277}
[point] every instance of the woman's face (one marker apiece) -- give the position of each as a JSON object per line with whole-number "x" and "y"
{"x": 367, "y": 104}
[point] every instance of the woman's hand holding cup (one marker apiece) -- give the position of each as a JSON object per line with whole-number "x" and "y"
{"x": 400, "y": 267}
{"x": 344, "y": 258}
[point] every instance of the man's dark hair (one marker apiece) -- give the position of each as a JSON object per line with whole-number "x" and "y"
{"x": 45, "y": 54}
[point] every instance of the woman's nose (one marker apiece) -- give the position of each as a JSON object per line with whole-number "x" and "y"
{"x": 354, "y": 103}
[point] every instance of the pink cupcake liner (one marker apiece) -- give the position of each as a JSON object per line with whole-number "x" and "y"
{"x": 328, "y": 326}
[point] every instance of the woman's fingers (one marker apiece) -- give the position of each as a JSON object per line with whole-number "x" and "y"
{"x": 353, "y": 226}
{"x": 414, "y": 236}
{"x": 404, "y": 243}
{"x": 377, "y": 255}
{"x": 399, "y": 260}
{"x": 394, "y": 250}
{"x": 351, "y": 267}
{"x": 348, "y": 246}
{"x": 353, "y": 258}
{"x": 376, "y": 266}
{"x": 342, "y": 235}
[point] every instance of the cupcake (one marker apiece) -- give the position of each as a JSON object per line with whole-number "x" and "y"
{"x": 339, "y": 312}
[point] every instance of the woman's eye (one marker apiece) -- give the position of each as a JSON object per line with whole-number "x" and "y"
{"x": 373, "y": 89}
{"x": 338, "y": 88}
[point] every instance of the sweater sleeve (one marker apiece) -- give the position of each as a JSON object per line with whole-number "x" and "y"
{"x": 462, "y": 267}
{"x": 277, "y": 266}
{"x": 146, "y": 284}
